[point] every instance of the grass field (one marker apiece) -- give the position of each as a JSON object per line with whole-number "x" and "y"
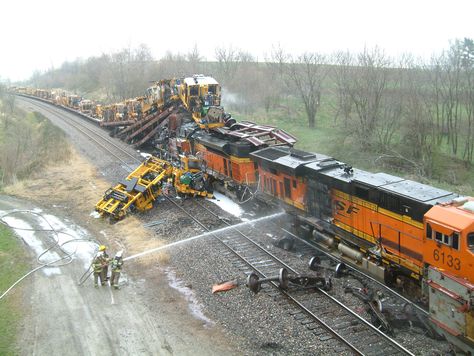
{"x": 13, "y": 264}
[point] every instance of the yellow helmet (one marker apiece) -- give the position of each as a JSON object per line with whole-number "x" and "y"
{"x": 102, "y": 248}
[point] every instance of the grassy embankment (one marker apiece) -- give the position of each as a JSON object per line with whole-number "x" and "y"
{"x": 13, "y": 265}
{"x": 28, "y": 143}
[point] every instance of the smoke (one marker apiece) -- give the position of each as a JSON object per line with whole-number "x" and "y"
{"x": 230, "y": 99}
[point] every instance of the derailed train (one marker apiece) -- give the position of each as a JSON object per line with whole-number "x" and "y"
{"x": 398, "y": 230}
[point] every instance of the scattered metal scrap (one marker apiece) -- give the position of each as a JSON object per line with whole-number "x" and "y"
{"x": 286, "y": 280}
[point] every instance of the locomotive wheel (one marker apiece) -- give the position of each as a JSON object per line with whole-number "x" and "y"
{"x": 314, "y": 263}
{"x": 340, "y": 269}
{"x": 253, "y": 283}
{"x": 283, "y": 278}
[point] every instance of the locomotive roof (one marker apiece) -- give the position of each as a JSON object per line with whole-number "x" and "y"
{"x": 286, "y": 158}
{"x": 213, "y": 142}
{"x": 389, "y": 183}
{"x": 455, "y": 217}
{"x": 314, "y": 165}
{"x": 357, "y": 175}
{"x": 420, "y": 192}
{"x": 200, "y": 79}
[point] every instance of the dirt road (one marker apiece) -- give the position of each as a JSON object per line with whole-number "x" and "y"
{"x": 67, "y": 319}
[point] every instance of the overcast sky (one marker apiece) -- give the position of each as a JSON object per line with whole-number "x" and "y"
{"x": 37, "y": 35}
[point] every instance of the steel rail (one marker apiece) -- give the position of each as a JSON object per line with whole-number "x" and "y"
{"x": 77, "y": 125}
{"x": 289, "y": 296}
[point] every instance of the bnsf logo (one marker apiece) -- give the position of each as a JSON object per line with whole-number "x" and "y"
{"x": 342, "y": 208}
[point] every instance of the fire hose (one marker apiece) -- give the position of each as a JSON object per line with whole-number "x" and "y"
{"x": 68, "y": 256}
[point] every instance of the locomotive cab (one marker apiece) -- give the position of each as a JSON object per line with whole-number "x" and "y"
{"x": 449, "y": 237}
{"x": 449, "y": 259}
{"x": 200, "y": 93}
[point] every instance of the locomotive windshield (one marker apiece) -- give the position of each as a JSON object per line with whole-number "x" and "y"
{"x": 193, "y": 164}
{"x": 470, "y": 240}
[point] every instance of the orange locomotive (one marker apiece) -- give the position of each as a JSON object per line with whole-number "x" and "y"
{"x": 392, "y": 227}
{"x": 224, "y": 151}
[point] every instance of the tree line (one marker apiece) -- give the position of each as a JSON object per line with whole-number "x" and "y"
{"x": 407, "y": 110}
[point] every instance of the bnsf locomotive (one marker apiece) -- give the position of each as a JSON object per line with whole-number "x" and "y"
{"x": 398, "y": 230}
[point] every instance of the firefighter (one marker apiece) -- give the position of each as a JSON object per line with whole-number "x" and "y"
{"x": 116, "y": 266}
{"x": 98, "y": 267}
{"x": 105, "y": 264}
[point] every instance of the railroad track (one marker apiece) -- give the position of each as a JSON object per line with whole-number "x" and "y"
{"x": 337, "y": 322}
{"x": 353, "y": 289}
{"x": 99, "y": 136}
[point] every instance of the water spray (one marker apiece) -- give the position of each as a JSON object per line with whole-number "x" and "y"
{"x": 209, "y": 233}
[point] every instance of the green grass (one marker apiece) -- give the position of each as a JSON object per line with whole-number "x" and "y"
{"x": 13, "y": 265}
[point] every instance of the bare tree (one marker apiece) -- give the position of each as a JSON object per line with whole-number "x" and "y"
{"x": 304, "y": 75}
{"x": 362, "y": 83}
{"x": 226, "y": 63}
{"x": 7, "y": 106}
{"x": 342, "y": 71}
{"x": 127, "y": 72}
{"x": 194, "y": 61}
{"x": 173, "y": 65}
{"x": 468, "y": 97}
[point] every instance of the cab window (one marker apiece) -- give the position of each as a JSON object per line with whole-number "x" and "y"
{"x": 470, "y": 240}
{"x": 429, "y": 231}
{"x": 449, "y": 240}
{"x": 455, "y": 243}
{"x": 194, "y": 90}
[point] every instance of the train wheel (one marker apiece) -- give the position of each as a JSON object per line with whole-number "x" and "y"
{"x": 253, "y": 283}
{"x": 340, "y": 269}
{"x": 314, "y": 263}
{"x": 283, "y": 278}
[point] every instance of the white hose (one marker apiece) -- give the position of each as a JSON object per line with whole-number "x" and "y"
{"x": 67, "y": 256}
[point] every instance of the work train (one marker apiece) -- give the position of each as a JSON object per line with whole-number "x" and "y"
{"x": 398, "y": 230}
{"x": 187, "y": 91}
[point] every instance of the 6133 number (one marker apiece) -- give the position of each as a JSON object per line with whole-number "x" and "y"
{"x": 449, "y": 260}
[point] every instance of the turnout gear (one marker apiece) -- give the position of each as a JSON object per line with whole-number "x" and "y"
{"x": 116, "y": 266}
{"x": 105, "y": 267}
{"x": 99, "y": 266}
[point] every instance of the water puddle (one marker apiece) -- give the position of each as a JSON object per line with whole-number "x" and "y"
{"x": 194, "y": 307}
{"x": 95, "y": 214}
{"x": 226, "y": 204}
{"x": 31, "y": 224}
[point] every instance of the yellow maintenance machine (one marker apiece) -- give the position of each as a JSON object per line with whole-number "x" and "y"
{"x": 201, "y": 95}
{"x": 141, "y": 188}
